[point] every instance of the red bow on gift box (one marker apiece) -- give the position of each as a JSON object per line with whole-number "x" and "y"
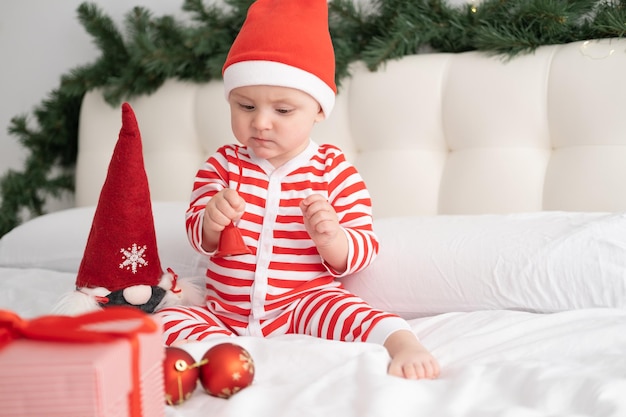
{"x": 95, "y": 327}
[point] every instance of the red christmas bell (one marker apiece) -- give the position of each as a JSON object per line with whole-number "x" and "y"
{"x": 228, "y": 369}
{"x": 231, "y": 242}
{"x": 181, "y": 375}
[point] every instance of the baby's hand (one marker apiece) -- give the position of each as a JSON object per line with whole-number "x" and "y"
{"x": 320, "y": 219}
{"x": 224, "y": 207}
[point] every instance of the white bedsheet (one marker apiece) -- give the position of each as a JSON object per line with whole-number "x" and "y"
{"x": 494, "y": 363}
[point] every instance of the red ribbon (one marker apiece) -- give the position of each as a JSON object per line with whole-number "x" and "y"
{"x": 174, "y": 281}
{"x": 81, "y": 329}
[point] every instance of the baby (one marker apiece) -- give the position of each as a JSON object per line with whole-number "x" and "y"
{"x": 304, "y": 212}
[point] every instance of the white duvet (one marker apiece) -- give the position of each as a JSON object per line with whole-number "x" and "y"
{"x": 494, "y": 363}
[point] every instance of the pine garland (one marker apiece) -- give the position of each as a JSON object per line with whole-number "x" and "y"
{"x": 152, "y": 49}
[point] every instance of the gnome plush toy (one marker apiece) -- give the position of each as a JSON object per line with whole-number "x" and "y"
{"x": 121, "y": 265}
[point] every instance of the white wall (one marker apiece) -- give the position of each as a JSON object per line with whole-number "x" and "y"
{"x": 40, "y": 40}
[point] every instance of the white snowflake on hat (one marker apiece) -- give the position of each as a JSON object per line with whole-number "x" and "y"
{"x": 133, "y": 257}
{"x": 121, "y": 265}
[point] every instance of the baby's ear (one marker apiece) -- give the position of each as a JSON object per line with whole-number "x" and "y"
{"x": 320, "y": 114}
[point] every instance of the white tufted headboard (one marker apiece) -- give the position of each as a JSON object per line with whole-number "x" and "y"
{"x": 431, "y": 134}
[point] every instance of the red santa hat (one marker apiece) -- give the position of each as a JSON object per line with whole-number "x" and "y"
{"x": 121, "y": 262}
{"x": 285, "y": 43}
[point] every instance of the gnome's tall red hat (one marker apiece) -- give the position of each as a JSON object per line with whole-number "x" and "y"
{"x": 285, "y": 43}
{"x": 122, "y": 249}
{"x": 121, "y": 262}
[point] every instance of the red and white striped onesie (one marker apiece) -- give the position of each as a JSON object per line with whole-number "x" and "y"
{"x": 284, "y": 286}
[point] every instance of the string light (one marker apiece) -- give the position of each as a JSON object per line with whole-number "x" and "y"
{"x": 473, "y": 7}
{"x": 592, "y": 50}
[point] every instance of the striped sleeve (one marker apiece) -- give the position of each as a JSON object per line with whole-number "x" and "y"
{"x": 212, "y": 177}
{"x": 351, "y": 200}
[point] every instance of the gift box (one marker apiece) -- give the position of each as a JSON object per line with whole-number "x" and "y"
{"x": 105, "y": 364}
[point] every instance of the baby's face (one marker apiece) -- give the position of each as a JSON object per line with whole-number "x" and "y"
{"x": 275, "y": 122}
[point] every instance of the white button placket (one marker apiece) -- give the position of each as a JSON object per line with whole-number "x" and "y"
{"x": 264, "y": 255}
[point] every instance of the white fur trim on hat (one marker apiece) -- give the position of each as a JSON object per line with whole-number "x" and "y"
{"x": 245, "y": 73}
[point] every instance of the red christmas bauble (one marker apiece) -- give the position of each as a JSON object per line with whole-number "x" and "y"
{"x": 227, "y": 368}
{"x": 181, "y": 375}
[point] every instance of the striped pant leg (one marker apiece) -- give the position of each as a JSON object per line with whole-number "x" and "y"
{"x": 336, "y": 314}
{"x": 190, "y": 323}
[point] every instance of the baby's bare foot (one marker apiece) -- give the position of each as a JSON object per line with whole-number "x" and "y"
{"x": 409, "y": 359}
